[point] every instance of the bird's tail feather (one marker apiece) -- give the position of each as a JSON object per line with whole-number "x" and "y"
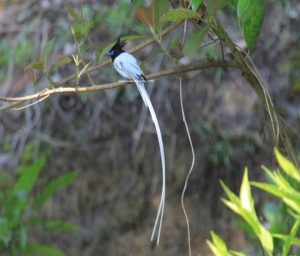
{"x": 160, "y": 212}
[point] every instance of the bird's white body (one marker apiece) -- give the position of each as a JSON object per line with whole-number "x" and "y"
{"x": 127, "y": 66}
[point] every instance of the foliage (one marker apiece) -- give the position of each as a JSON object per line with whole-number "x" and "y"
{"x": 19, "y": 209}
{"x": 282, "y": 234}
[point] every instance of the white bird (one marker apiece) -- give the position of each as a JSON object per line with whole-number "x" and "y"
{"x": 127, "y": 66}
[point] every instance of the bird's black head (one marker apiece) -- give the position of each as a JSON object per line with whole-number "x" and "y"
{"x": 117, "y": 49}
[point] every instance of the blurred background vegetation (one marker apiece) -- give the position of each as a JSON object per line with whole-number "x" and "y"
{"x": 103, "y": 143}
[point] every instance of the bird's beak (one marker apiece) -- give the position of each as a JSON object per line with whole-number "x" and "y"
{"x": 108, "y": 53}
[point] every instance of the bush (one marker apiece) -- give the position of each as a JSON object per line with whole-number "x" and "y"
{"x": 281, "y": 236}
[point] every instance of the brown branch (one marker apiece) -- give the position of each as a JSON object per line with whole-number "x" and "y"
{"x": 253, "y": 78}
{"x": 175, "y": 71}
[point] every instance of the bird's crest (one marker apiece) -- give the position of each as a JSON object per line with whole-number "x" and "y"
{"x": 119, "y": 44}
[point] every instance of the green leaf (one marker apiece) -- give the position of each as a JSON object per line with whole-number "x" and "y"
{"x": 28, "y": 178}
{"x": 245, "y": 194}
{"x": 251, "y": 14}
{"x": 232, "y": 197}
{"x": 213, "y": 248}
{"x": 73, "y": 13}
{"x": 160, "y": 8}
{"x": 291, "y": 236}
{"x": 64, "y": 60}
{"x": 52, "y": 188}
{"x": 5, "y": 232}
{"x": 233, "y": 3}
{"x": 194, "y": 42}
{"x": 196, "y": 4}
{"x": 46, "y": 52}
{"x": 23, "y": 237}
{"x": 295, "y": 241}
{"x": 218, "y": 242}
{"x": 247, "y": 212}
{"x": 234, "y": 253}
{"x": 218, "y": 247}
{"x": 59, "y": 226}
{"x": 291, "y": 198}
{"x": 82, "y": 29}
{"x": 287, "y": 166}
{"x": 179, "y": 14}
{"x": 44, "y": 250}
{"x": 215, "y": 5}
{"x": 39, "y": 65}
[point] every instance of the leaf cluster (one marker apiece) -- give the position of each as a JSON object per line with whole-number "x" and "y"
{"x": 19, "y": 207}
{"x": 284, "y": 184}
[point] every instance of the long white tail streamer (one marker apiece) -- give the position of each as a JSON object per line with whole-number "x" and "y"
{"x": 160, "y": 212}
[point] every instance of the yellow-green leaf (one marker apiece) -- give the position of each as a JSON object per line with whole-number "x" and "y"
{"x": 179, "y": 14}
{"x": 245, "y": 194}
{"x": 287, "y": 166}
{"x": 288, "y": 242}
{"x": 73, "y": 13}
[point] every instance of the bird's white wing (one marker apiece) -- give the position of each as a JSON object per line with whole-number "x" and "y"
{"x": 128, "y": 67}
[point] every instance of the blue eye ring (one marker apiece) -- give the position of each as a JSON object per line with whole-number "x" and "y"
{"x": 110, "y": 53}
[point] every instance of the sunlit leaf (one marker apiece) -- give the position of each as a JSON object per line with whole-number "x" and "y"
{"x": 289, "y": 197}
{"x": 218, "y": 242}
{"x": 245, "y": 193}
{"x": 235, "y": 253}
{"x": 288, "y": 242}
{"x": 295, "y": 241}
{"x": 287, "y": 166}
{"x": 232, "y": 197}
{"x": 213, "y": 248}
{"x": 247, "y": 212}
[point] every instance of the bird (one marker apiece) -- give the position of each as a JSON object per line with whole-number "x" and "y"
{"x": 127, "y": 66}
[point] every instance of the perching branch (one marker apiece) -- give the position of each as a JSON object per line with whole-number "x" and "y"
{"x": 60, "y": 90}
